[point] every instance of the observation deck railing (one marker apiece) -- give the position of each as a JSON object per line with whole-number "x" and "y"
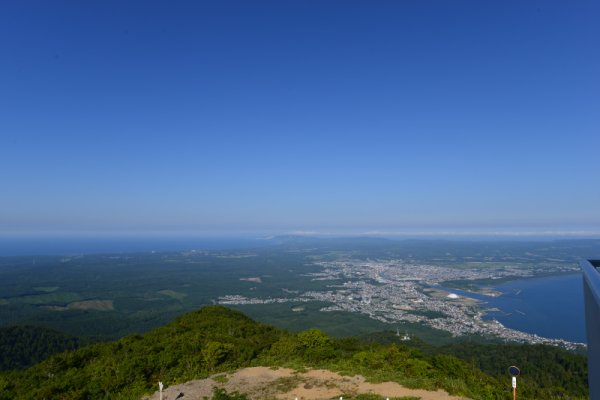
{"x": 591, "y": 295}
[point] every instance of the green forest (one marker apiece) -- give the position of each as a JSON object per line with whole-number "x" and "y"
{"x": 216, "y": 339}
{"x": 24, "y": 346}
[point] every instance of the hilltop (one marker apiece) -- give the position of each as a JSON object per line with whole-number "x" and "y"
{"x": 216, "y": 340}
{"x": 260, "y": 383}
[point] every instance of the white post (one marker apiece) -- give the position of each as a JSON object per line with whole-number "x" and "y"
{"x": 160, "y": 388}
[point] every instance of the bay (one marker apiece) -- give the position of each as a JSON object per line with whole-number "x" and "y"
{"x": 551, "y": 307}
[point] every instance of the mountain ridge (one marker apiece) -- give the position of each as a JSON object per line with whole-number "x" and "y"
{"x": 215, "y": 339}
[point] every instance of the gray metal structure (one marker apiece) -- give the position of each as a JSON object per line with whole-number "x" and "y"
{"x": 591, "y": 295}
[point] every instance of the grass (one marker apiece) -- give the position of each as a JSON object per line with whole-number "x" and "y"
{"x": 221, "y": 378}
{"x": 173, "y": 294}
{"x": 287, "y": 384}
{"x": 46, "y": 299}
{"x": 46, "y": 289}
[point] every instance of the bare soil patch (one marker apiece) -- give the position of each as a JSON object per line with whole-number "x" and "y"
{"x": 263, "y": 383}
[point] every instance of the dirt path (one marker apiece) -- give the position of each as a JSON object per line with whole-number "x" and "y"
{"x": 262, "y": 383}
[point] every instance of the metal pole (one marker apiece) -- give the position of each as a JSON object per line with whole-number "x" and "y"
{"x": 514, "y": 372}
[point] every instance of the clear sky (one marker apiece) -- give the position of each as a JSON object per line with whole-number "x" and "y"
{"x": 283, "y": 116}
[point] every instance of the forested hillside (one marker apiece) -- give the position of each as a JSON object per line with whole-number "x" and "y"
{"x": 543, "y": 366}
{"x": 24, "y": 346}
{"x": 216, "y": 339}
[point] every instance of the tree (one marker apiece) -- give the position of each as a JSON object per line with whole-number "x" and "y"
{"x": 316, "y": 345}
{"x": 214, "y": 352}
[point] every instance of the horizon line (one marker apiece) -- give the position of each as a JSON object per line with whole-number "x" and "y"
{"x": 266, "y": 233}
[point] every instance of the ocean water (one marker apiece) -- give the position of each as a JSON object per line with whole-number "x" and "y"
{"x": 551, "y": 306}
{"x": 88, "y": 244}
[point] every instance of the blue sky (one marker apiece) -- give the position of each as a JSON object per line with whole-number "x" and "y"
{"x": 282, "y": 116}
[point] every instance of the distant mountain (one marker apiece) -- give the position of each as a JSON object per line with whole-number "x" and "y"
{"x": 426, "y": 249}
{"x": 329, "y": 241}
{"x": 24, "y": 346}
{"x": 216, "y": 339}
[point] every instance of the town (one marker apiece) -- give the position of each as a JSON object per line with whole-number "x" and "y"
{"x": 394, "y": 291}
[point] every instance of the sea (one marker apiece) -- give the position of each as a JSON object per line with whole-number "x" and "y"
{"x": 26, "y": 245}
{"x": 550, "y": 306}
